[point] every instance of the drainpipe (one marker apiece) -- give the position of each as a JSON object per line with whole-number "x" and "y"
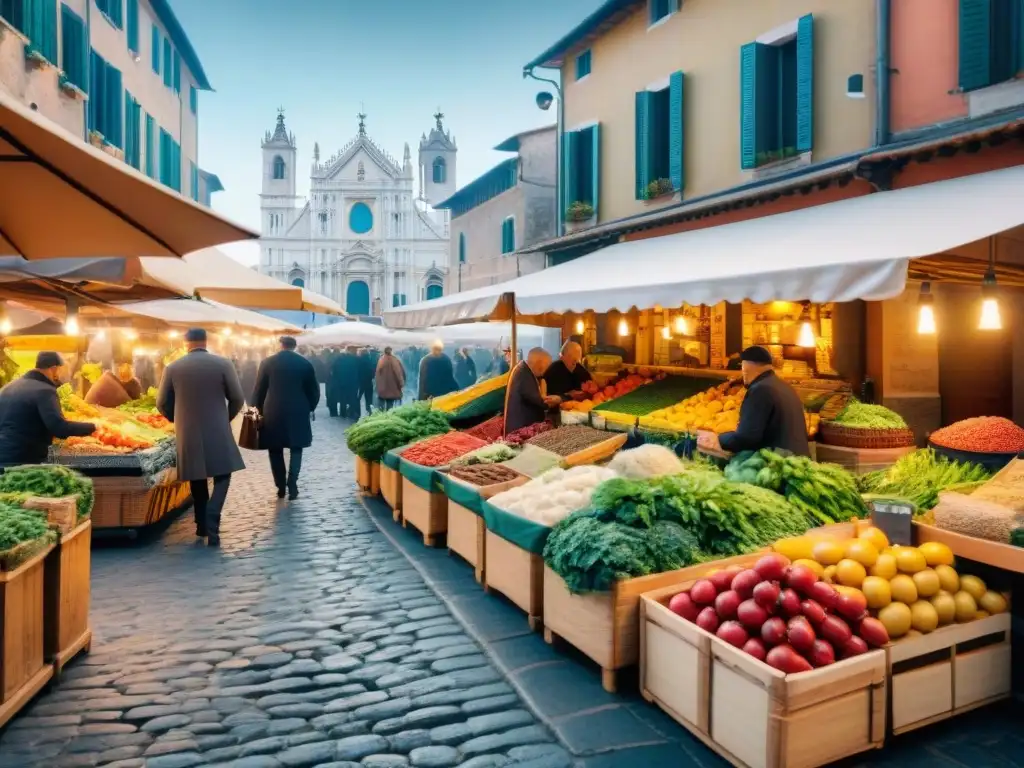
{"x": 88, "y": 65}
{"x": 883, "y": 72}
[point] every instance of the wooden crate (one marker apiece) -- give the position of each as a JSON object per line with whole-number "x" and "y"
{"x": 391, "y": 489}
{"x": 66, "y": 595}
{"x": 466, "y": 536}
{"x": 606, "y": 625}
{"x": 23, "y": 671}
{"x": 952, "y": 670}
{"x": 749, "y": 713}
{"x": 994, "y": 553}
{"x": 517, "y": 574}
{"x": 122, "y": 504}
{"x": 368, "y": 476}
{"x": 426, "y": 511}
{"x": 860, "y": 461}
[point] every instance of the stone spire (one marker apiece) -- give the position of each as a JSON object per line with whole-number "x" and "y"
{"x": 407, "y": 162}
{"x": 316, "y": 152}
{"x": 280, "y": 137}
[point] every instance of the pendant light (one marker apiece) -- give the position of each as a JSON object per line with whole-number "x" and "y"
{"x": 71, "y": 326}
{"x": 681, "y": 325}
{"x": 991, "y": 320}
{"x": 806, "y": 338}
{"x": 5, "y": 321}
{"x": 926, "y": 310}
{"x": 666, "y": 334}
{"x": 623, "y": 327}
{"x": 580, "y": 327}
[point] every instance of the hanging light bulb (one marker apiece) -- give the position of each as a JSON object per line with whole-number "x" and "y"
{"x": 130, "y": 334}
{"x": 666, "y": 333}
{"x": 806, "y": 337}
{"x": 226, "y": 332}
{"x": 173, "y": 334}
{"x": 623, "y": 327}
{"x": 991, "y": 319}
{"x": 580, "y": 327}
{"x": 5, "y": 326}
{"x": 71, "y": 327}
{"x": 100, "y": 335}
{"x": 680, "y": 325}
{"x": 926, "y": 310}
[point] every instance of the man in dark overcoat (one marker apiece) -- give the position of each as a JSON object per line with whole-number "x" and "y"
{"x": 201, "y": 394}
{"x": 286, "y": 395}
{"x": 345, "y": 380}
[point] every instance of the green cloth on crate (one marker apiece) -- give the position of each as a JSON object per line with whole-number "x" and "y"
{"x": 517, "y": 530}
{"x": 391, "y": 459}
{"x": 460, "y": 493}
{"x": 485, "y": 405}
{"x": 420, "y": 476}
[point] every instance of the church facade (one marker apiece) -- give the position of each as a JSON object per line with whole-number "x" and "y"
{"x": 364, "y": 236}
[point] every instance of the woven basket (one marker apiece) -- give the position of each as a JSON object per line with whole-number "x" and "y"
{"x": 831, "y": 433}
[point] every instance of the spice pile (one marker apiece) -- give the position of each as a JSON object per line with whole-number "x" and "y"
{"x": 566, "y": 441}
{"x": 982, "y": 434}
{"x": 520, "y": 436}
{"x": 919, "y": 476}
{"x": 376, "y": 434}
{"x": 438, "y": 451}
{"x": 490, "y": 430}
{"x": 489, "y": 454}
{"x": 534, "y": 461}
{"x": 484, "y": 474}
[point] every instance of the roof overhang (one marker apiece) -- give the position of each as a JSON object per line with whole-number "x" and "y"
{"x": 609, "y": 15}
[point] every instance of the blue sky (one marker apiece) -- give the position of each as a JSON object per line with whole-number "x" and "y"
{"x": 402, "y": 59}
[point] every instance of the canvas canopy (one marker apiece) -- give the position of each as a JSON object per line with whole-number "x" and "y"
{"x": 359, "y": 334}
{"x": 187, "y": 313}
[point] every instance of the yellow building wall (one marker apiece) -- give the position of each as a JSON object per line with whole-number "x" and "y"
{"x": 703, "y": 40}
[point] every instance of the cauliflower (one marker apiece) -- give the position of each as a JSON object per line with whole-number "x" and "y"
{"x": 646, "y": 461}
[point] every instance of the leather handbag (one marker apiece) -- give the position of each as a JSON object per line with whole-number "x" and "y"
{"x": 249, "y": 436}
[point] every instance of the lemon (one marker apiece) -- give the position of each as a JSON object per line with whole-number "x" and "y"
{"x": 923, "y": 616}
{"x": 966, "y": 607}
{"x": 992, "y": 603}
{"x": 927, "y": 583}
{"x": 884, "y": 567}
{"x": 828, "y": 552}
{"x": 850, "y": 573}
{"x": 830, "y": 574}
{"x": 795, "y": 547}
{"x": 949, "y": 579}
{"x": 973, "y": 586}
{"x": 945, "y": 607}
{"x": 877, "y": 592}
{"x": 814, "y": 565}
{"x": 876, "y": 536}
{"x": 936, "y": 553}
{"x": 897, "y": 619}
{"x": 863, "y": 551}
{"x": 910, "y": 560}
{"x": 904, "y": 590}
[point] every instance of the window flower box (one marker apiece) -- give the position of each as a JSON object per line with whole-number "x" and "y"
{"x": 776, "y": 156}
{"x": 658, "y": 189}
{"x": 69, "y": 89}
{"x": 114, "y": 152}
{"x": 580, "y": 215}
{"x": 96, "y": 139}
{"x": 34, "y": 59}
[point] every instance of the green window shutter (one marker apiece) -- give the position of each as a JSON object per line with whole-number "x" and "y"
{"x": 41, "y": 28}
{"x": 113, "y": 102}
{"x": 193, "y": 99}
{"x": 129, "y": 146}
{"x": 569, "y": 191}
{"x": 132, "y": 131}
{"x": 462, "y": 247}
{"x": 511, "y": 235}
{"x": 96, "y": 89}
{"x": 595, "y": 159}
{"x": 644, "y": 145}
{"x": 504, "y": 236}
{"x": 975, "y": 44}
{"x": 748, "y": 106}
{"x": 177, "y": 72}
{"x": 150, "y": 146}
{"x": 168, "y": 65}
{"x": 805, "y": 83}
{"x": 164, "y": 158}
{"x": 676, "y": 148}
{"x": 74, "y": 54}
{"x": 155, "y": 49}
{"x": 13, "y": 12}
{"x": 132, "y": 28}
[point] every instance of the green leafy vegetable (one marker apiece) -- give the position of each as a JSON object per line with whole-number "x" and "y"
{"x": 860, "y": 415}
{"x": 376, "y": 434}
{"x": 921, "y": 475}
{"x": 50, "y": 481}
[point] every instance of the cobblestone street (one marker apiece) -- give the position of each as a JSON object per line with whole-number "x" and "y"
{"x": 308, "y": 640}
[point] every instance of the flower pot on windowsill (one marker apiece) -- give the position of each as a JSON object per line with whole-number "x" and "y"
{"x": 70, "y": 90}
{"x": 778, "y": 158}
{"x": 96, "y": 139}
{"x": 578, "y": 225}
{"x": 579, "y": 215}
{"x": 659, "y": 189}
{"x": 35, "y": 60}
{"x": 113, "y": 151}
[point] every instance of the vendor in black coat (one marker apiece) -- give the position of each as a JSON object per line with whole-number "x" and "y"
{"x": 345, "y": 383}
{"x": 771, "y": 416}
{"x": 567, "y": 373}
{"x": 286, "y": 395}
{"x": 437, "y": 374}
{"x": 524, "y": 404}
{"x": 30, "y": 415}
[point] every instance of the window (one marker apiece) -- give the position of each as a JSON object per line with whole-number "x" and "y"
{"x": 660, "y": 9}
{"x": 581, "y": 163}
{"x": 434, "y": 291}
{"x": 177, "y": 72}
{"x": 278, "y": 167}
{"x": 360, "y": 218}
{"x": 193, "y": 181}
{"x": 170, "y": 161}
{"x": 462, "y": 247}
{"x": 132, "y": 25}
{"x": 298, "y": 282}
{"x": 132, "y": 131}
{"x": 440, "y": 171}
{"x": 168, "y": 69}
{"x": 112, "y": 9}
{"x": 659, "y": 140}
{"x": 193, "y": 99}
{"x": 583, "y": 64}
{"x": 508, "y": 235}
{"x": 74, "y": 49}
{"x": 13, "y": 12}
{"x": 155, "y": 50}
{"x": 777, "y": 97}
{"x": 398, "y": 300}
{"x": 150, "y": 147}
{"x": 40, "y": 27}
{"x": 991, "y": 36}
{"x": 106, "y": 100}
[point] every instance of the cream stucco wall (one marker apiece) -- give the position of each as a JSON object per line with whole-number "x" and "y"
{"x": 703, "y": 40}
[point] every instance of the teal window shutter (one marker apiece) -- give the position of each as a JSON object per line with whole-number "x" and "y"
{"x": 165, "y": 158}
{"x": 13, "y": 12}
{"x": 113, "y": 103}
{"x": 155, "y": 50}
{"x": 41, "y": 28}
{"x": 177, "y": 72}
{"x": 583, "y": 64}
{"x": 975, "y": 44}
{"x": 676, "y": 149}
{"x": 132, "y": 27}
{"x": 74, "y": 52}
{"x": 805, "y": 83}
{"x": 150, "y": 146}
{"x": 194, "y": 180}
{"x": 569, "y": 172}
{"x": 595, "y": 159}
{"x": 462, "y": 247}
{"x": 132, "y": 131}
{"x": 96, "y": 88}
{"x": 644, "y": 145}
{"x": 168, "y": 64}
{"x": 193, "y": 99}
{"x": 748, "y": 106}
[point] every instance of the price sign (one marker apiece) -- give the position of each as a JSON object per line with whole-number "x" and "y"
{"x": 895, "y": 519}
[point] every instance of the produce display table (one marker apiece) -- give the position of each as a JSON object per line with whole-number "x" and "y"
{"x": 1003, "y": 556}
{"x": 860, "y": 461}
{"x": 23, "y": 670}
{"x": 466, "y": 527}
{"x": 66, "y": 593}
{"x": 368, "y": 476}
{"x": 391, "y": 481}
{"x": 513, "y": 564}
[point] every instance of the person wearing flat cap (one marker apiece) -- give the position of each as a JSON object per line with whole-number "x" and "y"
{"x": 201, "y": 394}
{"x": 771, "y": 416}
{"x": 30, "y": 415}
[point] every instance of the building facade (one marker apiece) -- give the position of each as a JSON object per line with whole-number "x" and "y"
{"x": 509, "y": 207}
{"x": 121, "y": 74}
{"x": 364, "y": 237}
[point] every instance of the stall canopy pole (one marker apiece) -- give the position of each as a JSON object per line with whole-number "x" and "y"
{"x": 514, "y": 358}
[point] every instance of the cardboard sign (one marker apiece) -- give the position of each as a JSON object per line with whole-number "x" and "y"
{"x": 895, "y": 519}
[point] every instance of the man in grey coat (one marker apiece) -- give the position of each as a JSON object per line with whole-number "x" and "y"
{"x": 201, "y": 394}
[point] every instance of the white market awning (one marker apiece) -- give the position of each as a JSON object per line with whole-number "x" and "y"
{"x": 359, "y": 334}
{"x": 851, "y": 249}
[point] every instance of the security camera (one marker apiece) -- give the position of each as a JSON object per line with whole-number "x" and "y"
{"x": 544, "y": 100}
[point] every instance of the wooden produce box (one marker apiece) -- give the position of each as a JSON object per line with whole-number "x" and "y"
{"x": 368, "y": 476}
{"x": 1004, "y": 556}
{"x": 23, "y": 671}
{"x": 598, "y": 452}
{"x": 860, "y": 461}
{"x": 426, "y": 511}
{"x": 127, "y": 502}
{"x": 466, "y": 528}
{"x": 749, "y": 713}
{"x": 391, "y": 490}
{"x": 952, "y": 670}
{"x": 517, "y": 574}
{"x": 66, "y": 595}
{"x": 605, "y": 626}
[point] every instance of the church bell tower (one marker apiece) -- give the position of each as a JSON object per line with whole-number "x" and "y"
{"x": 277, "y": 197}
{"x": 437, "y": 163}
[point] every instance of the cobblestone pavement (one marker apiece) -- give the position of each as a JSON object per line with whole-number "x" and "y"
{"x": 307, "y": 640}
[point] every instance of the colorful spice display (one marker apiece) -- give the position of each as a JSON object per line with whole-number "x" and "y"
{"x": 438, "y": 451}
